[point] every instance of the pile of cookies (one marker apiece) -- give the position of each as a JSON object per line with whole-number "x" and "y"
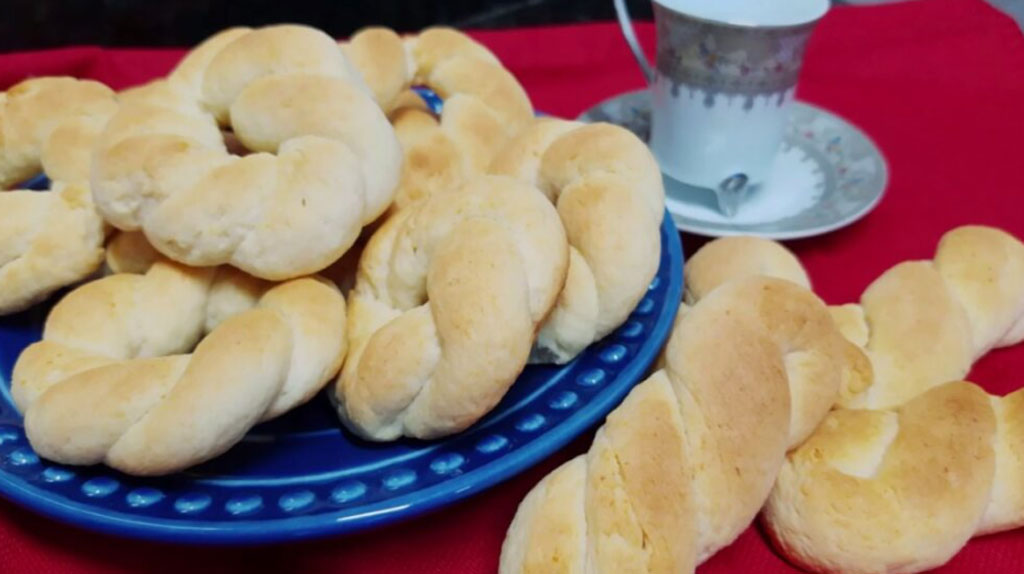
{"x": 282, "y": 213}
{"x": 230, "y": 200}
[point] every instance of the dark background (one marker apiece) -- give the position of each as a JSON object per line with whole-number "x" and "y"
{"x": 28, "y": 24}
{"x": 35, "y": 24}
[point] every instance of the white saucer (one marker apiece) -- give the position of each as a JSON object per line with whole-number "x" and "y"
{"x": 828, "y": 174}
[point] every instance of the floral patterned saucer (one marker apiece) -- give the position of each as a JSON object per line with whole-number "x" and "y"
{"x": 827, "y": 175}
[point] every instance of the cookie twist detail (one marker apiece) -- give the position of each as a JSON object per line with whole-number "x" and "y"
{"x": 120, "y": 379}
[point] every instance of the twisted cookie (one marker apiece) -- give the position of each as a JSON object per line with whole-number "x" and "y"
{"x": 48, "y": 124}
{"x": 448, "y": 297}
{"x": 118, "y": 377}
{"x": 682, "y": 466}
{"x": 48, "y": 240}
{"x": 900, "y": 478}
{"x": 609, "y": 193}
{"x": 484, "y": 105}
{"x": 723, "y": 260}
{"x": 325, "y": 161}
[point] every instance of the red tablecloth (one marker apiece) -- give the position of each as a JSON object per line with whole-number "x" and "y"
{"x": 939, "y": 84}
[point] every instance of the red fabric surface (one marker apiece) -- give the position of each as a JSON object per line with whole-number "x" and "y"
{"x": 937, "y": 83}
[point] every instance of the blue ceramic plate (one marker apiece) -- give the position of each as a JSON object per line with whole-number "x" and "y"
{"x": 302, "y": 476}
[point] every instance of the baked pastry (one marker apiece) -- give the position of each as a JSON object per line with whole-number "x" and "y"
{"x": 911, "y": 468}
{"x": 608, "y": 190}
{"x": 723, "y": 260}
{"x": 683, "y": 465}
{"x": 383, "y": 62}
{"x": 325, "y": 160}
{"x": 48, "y": 125}
{"x": 48, "y": 239}
{"x": 912, "y": 465}
{"x": 426, "y": 358}
{"x": 129, "y": 252}
{"x": 120, "y": 379}
{"x": 484, "y": 104}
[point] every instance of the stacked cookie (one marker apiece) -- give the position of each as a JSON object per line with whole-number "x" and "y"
{"x": 49, "y": 240}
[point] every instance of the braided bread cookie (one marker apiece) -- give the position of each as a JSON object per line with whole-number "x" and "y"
{"x": 48, "y": 124}
{"x": 48, "y": 240}
{"x": 609, "y": 193}
{"x": 914, "y": 466}
{"x": 723, "y": 260}
{"x": 741, "y": 256}
{"x": 484, "y": 104}
{"x": 448, "y": 297}
{"x": 109, "y": 381}
{"x": 683, "y": 465}
{"x": 325, "y": 161}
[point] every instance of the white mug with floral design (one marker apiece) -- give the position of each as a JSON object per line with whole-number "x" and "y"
{"x": 721, "y": 85}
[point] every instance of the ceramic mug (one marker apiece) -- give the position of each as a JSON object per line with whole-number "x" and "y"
{"x": 722, "y": 83}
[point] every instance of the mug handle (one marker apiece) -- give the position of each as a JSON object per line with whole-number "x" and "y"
{"x": 626, "y": 23}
